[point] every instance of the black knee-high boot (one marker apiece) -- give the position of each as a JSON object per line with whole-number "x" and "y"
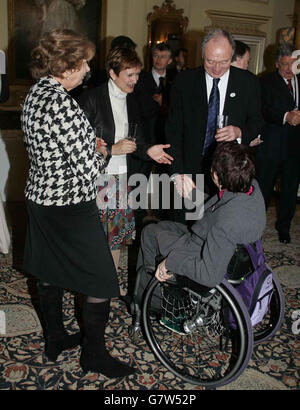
{"x": 56, "y": 338}
{"x": 94, "y": 356}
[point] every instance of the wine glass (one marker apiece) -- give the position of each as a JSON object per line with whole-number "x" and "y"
{"x": 130, "y": 131}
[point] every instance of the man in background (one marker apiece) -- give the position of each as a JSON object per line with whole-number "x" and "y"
{"x": 152, "y": 93}
{"x": 180, "y": 59}
{"x": 241, "y": 56}
{"x": 279, "y": 155}
{"x": 4, "y": 87}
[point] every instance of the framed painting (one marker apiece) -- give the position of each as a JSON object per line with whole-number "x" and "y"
{"x": 29, "y": 19}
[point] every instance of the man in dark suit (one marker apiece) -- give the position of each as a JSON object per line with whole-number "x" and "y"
{"x": 152, "y": 93}
{"x": 279, "y": 155}
{"x": 4, "y": 88}
{"x": 197, "y": 96}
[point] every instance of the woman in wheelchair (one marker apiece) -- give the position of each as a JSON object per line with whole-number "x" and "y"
{"x": 236, "y": 215}
{"x": 193, "y": 319}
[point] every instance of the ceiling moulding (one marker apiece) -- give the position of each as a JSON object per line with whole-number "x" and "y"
{"x": 258, "y": 1}
{"x": 237, "y": 23}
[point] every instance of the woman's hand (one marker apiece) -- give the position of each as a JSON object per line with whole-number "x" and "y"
{"x": 161, "y": 273}
{"x": 123, "y": 147}
{"x": 157, "y": 153}
{"x": 101, "y": 147}
{"x": 184, "y": 185}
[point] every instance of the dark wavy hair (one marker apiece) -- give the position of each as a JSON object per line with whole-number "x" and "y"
{"x": 60, "y": 50}
{"x": 120, "y": 58}
{"x": 234, "y": 165}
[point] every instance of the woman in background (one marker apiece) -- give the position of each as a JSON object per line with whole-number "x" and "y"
{"x": 66, "y": 247}
{"x": 109, "y": 108}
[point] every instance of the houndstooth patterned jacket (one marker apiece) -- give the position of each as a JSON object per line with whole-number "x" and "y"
{"x": 61, "y": 146}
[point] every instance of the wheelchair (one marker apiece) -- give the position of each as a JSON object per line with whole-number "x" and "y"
{"x": 202, "y": 335}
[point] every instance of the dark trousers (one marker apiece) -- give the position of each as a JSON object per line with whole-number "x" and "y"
{"x": 152, "y": 251}
{"x": 267, "y": 171}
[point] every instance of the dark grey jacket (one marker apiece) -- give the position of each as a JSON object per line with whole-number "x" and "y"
{"x": 204, "y": 254}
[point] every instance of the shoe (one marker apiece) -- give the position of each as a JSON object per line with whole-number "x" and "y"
{"x": 175, "y": 324}
{"x": 284, "y": 237}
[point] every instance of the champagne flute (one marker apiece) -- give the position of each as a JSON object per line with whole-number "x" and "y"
{"x": 130, "y": 131}
{"x": 222, "y": 121}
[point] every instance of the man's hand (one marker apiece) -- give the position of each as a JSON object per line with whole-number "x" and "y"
{"x": 293, "y": 118}
{"x": 255, "y": 142}
{"x": 161, "y": 273}
{"x": 158, "y": 98}
{"x": 157, "y": 153}
{"x": 229, "y": 133}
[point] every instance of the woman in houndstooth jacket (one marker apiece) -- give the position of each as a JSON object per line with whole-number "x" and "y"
{"x": 64, "y": 233}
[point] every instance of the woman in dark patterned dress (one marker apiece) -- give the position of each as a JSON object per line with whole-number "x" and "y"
{"x": 66, "y": 246}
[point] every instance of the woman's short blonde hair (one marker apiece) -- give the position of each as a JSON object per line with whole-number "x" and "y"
{"x": 60, "y": 50}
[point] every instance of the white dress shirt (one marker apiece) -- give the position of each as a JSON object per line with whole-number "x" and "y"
{"x": 157, "y": 76}
{"x": 295, "y": 95}
{"x": 118, "y": 164}
{"x": 223, "y": 83}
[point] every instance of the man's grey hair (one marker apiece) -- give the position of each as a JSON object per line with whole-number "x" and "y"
{"x": 215, "y": 33}
{"x": 284, "y": 50}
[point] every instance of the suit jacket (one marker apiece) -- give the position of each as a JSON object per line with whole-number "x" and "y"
{"x": 97, "y": 107}
{"x": 153, "y": 116}
{"x": 4, "y": 88}
{"x": 280, "y": 141}
{"x": 188, "y": 111}
{"x": 173, "y": 72}
{"x": 204, "y": 254}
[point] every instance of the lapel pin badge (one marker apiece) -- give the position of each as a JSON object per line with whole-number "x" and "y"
{"x": 232, "y": 95}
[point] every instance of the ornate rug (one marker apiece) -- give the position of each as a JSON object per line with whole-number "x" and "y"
{"x": 274, "y": 365}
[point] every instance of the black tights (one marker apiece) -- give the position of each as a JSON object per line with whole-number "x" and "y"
{"x": 90, "y": 299}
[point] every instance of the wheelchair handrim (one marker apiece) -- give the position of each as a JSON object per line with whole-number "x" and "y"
{"x": 246, "y": 340}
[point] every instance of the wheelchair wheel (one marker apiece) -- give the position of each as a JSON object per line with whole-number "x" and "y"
{"x": 202, "y": 347}
{"x": 273, "y": 318}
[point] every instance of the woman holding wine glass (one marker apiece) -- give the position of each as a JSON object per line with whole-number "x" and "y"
{"x": 113, "y": 109}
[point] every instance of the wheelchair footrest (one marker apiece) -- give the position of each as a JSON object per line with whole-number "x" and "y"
{"x": 135, "y": 334}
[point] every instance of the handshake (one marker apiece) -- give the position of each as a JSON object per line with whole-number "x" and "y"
{"x": 293, "y": 118}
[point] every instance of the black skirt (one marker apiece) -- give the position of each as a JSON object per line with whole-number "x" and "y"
{"x": 66, "y": 247}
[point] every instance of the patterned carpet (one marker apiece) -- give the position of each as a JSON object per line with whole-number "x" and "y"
{"x": 274, "y": 365}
